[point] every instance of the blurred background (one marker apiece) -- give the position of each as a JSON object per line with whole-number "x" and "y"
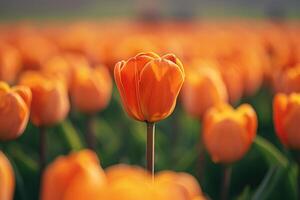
{"x": 71, "y": 9}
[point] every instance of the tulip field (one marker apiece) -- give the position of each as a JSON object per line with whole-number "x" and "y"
{"x": 149, "y": 110}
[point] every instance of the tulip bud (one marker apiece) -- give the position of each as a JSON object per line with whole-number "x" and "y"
{"x": 228, "y": 133}
{"x": 73, "y": 177}
{"x": 10, "y": 63}
{"x": 7, "y": 178}
{"x": 91, "y": 89}
{"x": 14, "y": 110}
{"x": 50, "y": 103}
{"x": 233, "y": 79}
{"x": 286, "y": 119}
{"x": 288, "y": 81}
{"x": 59, "y": 67}
{"x": 189, "y": 184}
{"x": 203, "y": 89}
{"x": 149, "y": 85}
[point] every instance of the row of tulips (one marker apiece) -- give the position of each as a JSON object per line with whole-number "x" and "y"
{"x": 52, "y": 66}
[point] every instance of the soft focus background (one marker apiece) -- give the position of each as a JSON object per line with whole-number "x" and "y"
{"x": 266, "y": 169}
{"x": 70, "y": 9}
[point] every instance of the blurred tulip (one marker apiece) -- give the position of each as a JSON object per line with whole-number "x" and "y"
{"x": 58, "y": 66}
{"x": 233, "y": 79}
{"x": 10, "y": 63}
{"x": 149, "y": 85}
{"x": 7, "y": 178}
{"x": 91, "y": 89}
{"x": 133, "y": 183}
{"x": 286, "y": 119}
{"x": 228, "y": 133}
{"x": 288, "y": 81}
{"x": 50, "y": 103}
{"x": 14, "y": 110}
{"x": 34, "y": 49}
{"x": 203, "y": 89}
{"x": 74, "y": 177}
{"x": 121, "y": 171}
{"x": 186, "y": 181}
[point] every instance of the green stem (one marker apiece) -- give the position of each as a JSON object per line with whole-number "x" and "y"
{"x": 150, "y": 149}
{"x": 226, "y": 182}
{"x": 90, "y": 135}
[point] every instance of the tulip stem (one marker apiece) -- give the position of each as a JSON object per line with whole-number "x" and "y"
{"x": 226, "y": 182}
{"x": 150, "y": 150}
{"x": 42, "y": 148}
{"x": 90, "y": 135}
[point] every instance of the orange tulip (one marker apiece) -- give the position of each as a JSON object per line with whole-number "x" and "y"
{"x": 121, "y": 171}
{"x": 203, "y": 89}
{"x": 14, "y": 110}
{"x": 50, "y": 103}
{"x": 134, "y": 183}
{"x": 228, "y": 133}
{"x": 91, "y": 89}
{"x": 149, "y": 85}
{"x": 59, "y": 67}
{"x": 74, "y": 177}
{"x": 233, "y": 79}
{"x": 34, "y": 49}
{"x": 10, "y": 63}
{"x": 286, "y": 119}
{"x": 7, "y": 179}
{"x": 184, "y": 180}
{"x": 288, "y": 81}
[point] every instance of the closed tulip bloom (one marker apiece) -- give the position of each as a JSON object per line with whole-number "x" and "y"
{"x": 186, "y": 181}
{"x": 74, "y": 177}
{"x": 91, "y": 89}
{"x": 14, "y": 110}
{"x": 122, "y": 171}
{"x": 58, "y": 66}
{"x": 149, "y": 85}
{"x": 7, "y": 179}
{"x": 229, "y": 133}
{"x": 203, "y": 89}
{"x": 233, "y": 79}
{"x": 288, "y": 81}
{"x": 10, "y": 63}
{"x": 286, "y": 119}
{"x": 50, "y": 103}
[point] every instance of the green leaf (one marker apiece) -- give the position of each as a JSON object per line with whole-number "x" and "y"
{"x": 268, "y": 184}
{"x": 22, "y": 159}
{"x": 245, "y": 195}
{"x": 270, "y": 152}
{"x": 70, "y": 135}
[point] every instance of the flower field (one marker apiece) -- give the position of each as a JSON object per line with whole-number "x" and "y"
{"x": 134, "y": 110}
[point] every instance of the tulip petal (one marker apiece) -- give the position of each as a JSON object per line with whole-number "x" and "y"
{"x": 159, "y": 86}
{"x": 24, "y": 93}
{"x": 279, "y": 106}
{"x": 251, "y": 120}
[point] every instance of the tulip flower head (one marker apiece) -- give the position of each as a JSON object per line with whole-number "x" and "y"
{"x": 50, "y": 103}
{"x": 289, "y": 80}
{"x": 228, "y": 133}
{"x": 149, "y": 85}
{"x": 73, "y": 177}
{"x": 203, "y": 89}
{"x": 14, "y": 110}
{"x": 7, "y": 178}
{"x": 10, "y": 63}
{"x": 91, "y": 89}
{"x": 286, "y": 119}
